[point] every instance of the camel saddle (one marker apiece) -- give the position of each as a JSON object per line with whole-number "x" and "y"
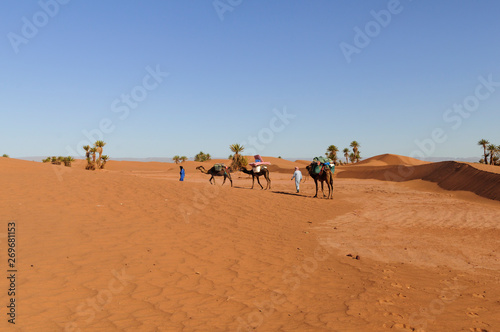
{"x": 219, "y": 167}
{"x": 320, "y": 163}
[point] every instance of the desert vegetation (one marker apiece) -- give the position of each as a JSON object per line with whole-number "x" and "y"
{"x": 331, "y": 152}
{"x": 202, "y": 157}
{"x": 350, "y": 156}
{"x": 59, "y": 160}
{"x": 177, "y": 159}
{"x": 491, "y": 153}
{"x": 238, "y": 160}
{"x": 94, "y": 162}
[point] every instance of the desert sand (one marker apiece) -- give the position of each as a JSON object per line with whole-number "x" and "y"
{"x": 403, "y": 246}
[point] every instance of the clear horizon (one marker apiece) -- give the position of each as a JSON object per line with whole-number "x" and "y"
{"x": 413, "y": 78}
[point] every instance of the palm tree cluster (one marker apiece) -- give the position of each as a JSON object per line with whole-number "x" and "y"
{"x": 238, "y": 160}
{"x": 354, "y": 156}
{"x": 489, "y": 150}
{"x": 202, "y": 157}
{"x": 331, "y": 152}
{"x": 93, "y": 163}
{"x": 59, "y": 160}
{"x": 178, "y": 159}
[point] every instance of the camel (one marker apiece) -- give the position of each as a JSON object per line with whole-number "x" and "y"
{"x": 213, "y": 173}
{"x": 325, "y": 175}
{"x": 263, "y": 171}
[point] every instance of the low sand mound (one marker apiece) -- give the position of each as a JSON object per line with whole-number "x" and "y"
{"x": 390, "y": 159}
{"x": 449, "y": 175}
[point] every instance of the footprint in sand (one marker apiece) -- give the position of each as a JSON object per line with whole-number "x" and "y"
{"x": 477, "y": 329}
{"x": 401, "y": 295}
{"x": 386, "y": 314}
{"x": 481, "y": 296}
{"x": 472, "y": 314}
{"x": 396, "y": 285}
{"x": 404, "y": 327}
{"x": 387, "y": 302}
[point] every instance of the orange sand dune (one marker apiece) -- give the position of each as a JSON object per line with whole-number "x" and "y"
{"x": 390, "y": 159}
{"x": 130, "y": 248}
{"x": 449, "y": 175}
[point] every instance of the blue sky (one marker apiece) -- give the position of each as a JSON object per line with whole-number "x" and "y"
{"x": 228, "y": 78}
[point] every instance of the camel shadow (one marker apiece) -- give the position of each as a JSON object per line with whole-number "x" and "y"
{"x": 242, "y": 187}
{"x": 251, "y": 188}
{"x": 290, "y": 194}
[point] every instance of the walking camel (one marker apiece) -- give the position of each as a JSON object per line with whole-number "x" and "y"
{"x": 325, "y": 175}
{"x": 213, "y": 173}
{"x": 263, "y": 171}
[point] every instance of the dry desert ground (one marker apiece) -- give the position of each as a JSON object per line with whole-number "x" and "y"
{"x": 403, "y": 246}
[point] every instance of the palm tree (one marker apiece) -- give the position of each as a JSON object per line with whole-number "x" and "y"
{"x": 5, "y": 155}
{"x": 99, "y": 145}
{"x": 495, "y": 160}
{"x": 238, "y": 161}
{"x": 176, "y": 159}
{"x": 346, "y": 155}
{"x": 183, "y": 159}
{"x": 68, "y": 160}
{"x": 492, "y": 148}
{"x": 87, "y": 153}
{"x": 358, "y": 157}
{"x": 331, "y": 152}
{"x": 90, "y": 164}
{"x": 104, "y": 159}
{"x": 236, "y": 148}
{"x": 352, "y": 157}
{"x": 93, "y": 151}
{"x": 484, "y": 143}
{"x": 355, "y": 145}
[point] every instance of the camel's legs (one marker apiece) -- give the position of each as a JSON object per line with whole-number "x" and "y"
{"x": 212, "y": 178}
{"x": 258, "y": 181}
{"x": 316, "y": 183}
{"x": 268, "y": 182}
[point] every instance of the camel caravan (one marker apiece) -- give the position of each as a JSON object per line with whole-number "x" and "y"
{"x": 321, "y": 169}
